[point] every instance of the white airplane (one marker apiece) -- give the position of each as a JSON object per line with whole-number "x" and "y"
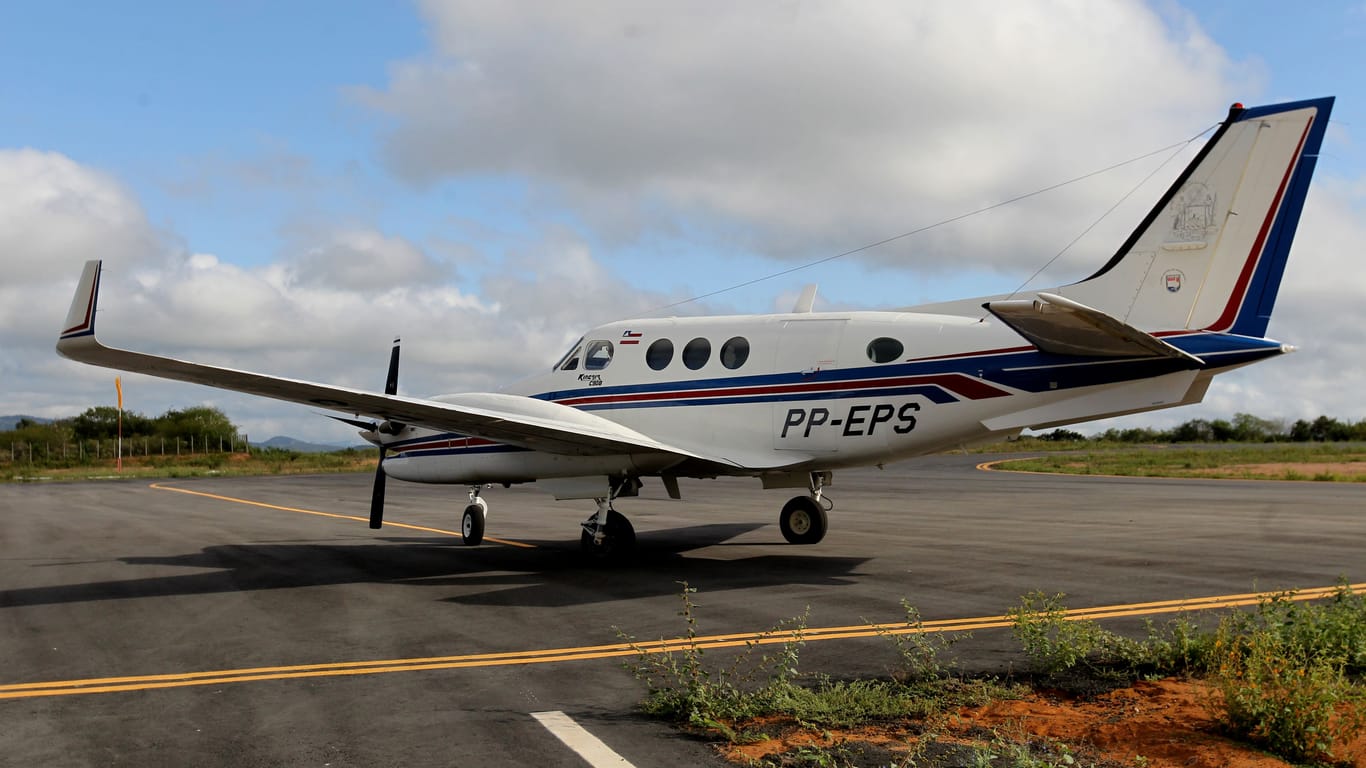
{"x": 790, "y": 398}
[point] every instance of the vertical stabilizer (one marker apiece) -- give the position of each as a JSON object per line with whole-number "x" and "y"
{"x": 1211, "y": 253}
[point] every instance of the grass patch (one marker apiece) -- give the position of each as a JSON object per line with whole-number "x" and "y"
{"x": 1059, "y": 646}
{"x": 1280, "y": 461}
{"x": 732, "y": 699}
{"x": 1285, "y": 677}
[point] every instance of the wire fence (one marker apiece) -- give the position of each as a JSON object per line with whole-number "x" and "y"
{"x": 93, "y": 451}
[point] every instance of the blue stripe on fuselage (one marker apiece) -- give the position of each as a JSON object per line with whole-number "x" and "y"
{"x": 1023, "y": 370}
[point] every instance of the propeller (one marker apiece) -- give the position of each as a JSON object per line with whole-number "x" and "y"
{"x": 377, "y": 495}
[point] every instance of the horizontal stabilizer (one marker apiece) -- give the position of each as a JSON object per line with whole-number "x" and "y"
{"x": 1064, "y": 327}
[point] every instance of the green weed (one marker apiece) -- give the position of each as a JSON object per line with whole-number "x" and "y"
{"x": 681, "y": 685}
{"x": 1056, "y": 643}
{"x": 1283, "y": 696}
{"x": 921, "y": 652}
{"x": 1284, "y": 674}
{"x": 1012, "y": 750}
{"x": 684, "y": 685}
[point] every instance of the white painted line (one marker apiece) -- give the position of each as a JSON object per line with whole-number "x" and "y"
{"x": 584, "y": 744}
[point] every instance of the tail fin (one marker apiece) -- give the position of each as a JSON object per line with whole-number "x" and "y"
{"x": 1211, "y": 254}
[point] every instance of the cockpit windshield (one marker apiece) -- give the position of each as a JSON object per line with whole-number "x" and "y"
{"x": 570, "y": 361}
{"x": 598, "y": 355}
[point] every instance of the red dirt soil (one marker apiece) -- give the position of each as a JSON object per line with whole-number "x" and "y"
{"x": 1166, "y": 723}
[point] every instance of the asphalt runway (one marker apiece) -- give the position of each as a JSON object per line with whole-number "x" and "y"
{"x": 236, "y": 634}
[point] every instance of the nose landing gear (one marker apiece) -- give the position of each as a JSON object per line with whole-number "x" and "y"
{"x": 608, "y": 535}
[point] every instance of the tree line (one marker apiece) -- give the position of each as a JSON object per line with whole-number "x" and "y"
{"x": 207, "y": 426}
{"x": 198, "y": 425}
{"x": 1242, "y": 428}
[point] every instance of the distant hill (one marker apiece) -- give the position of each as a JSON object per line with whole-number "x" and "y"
{"x": 302, "y": 446}
{"x": 10, "y": 422}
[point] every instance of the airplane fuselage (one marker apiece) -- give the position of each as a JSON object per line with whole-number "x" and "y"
{"x": 813, "y": 391}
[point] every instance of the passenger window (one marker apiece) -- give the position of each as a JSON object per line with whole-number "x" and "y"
{"x": 597, "y": 356}
{"x": 884, "y": 350}
{"x": 735, "y": 352}
{"x": 571, "y": 359}
{"x": 660, "y": 354}
{"x": 696, "y": 353}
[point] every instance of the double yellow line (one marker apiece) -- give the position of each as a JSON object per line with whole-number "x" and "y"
{"x": 559, "y": 655}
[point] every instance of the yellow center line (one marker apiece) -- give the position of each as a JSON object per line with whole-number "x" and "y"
{"x": 584, "y": 653}
{"x": 409, "y": 526}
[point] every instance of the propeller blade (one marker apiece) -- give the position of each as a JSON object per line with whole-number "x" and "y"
{"x": 368, "y": 426}
{"x": 391, "y": 382}
{"x": 377, "y": 495}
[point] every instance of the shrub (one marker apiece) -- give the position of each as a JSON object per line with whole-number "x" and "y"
{"x": 1283, "y": 696}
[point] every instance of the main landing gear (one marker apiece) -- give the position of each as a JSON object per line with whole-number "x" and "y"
{"x": 803, "y": 519}
{"x": 472, "y": 522}
{"x": 608, "y": 535}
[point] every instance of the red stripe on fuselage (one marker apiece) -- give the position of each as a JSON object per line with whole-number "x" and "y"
{"x": 955, "y": 382}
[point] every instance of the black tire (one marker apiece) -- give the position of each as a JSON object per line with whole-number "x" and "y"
{"x": 803, "y": 520}
{"x": 619, "y": 542}
{"x": 472, "y": 525}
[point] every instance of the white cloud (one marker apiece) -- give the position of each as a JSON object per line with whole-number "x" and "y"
{"x": 368, "y": 262}
{"x": 326, "y": 313}
{"x": 811, "y": 126}
{"x": 57, "y": 213}
{"x": 797, "y": 130}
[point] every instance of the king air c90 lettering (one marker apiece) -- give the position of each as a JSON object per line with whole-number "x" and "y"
{"x": 858, "y": 421}
{"x": 791, "y": 398}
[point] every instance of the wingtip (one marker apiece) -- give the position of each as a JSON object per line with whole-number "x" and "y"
{"x": 80, "y": 318}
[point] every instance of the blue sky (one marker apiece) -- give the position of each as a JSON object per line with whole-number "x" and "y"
{"x": 312, "y": 178}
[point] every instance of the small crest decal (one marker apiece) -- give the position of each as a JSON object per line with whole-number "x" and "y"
{"x": 1173, "y": 278}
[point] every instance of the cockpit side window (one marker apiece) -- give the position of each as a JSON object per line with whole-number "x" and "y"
{"x": 597, "y": 355}
{"x": 570, "y": 361}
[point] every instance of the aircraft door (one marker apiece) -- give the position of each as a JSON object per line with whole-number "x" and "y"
{"x": 808, "y": 348}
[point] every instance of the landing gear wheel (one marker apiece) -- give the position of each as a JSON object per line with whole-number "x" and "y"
{"x": 472, "y": 524}
{"x": 619, "y": 541}
{"x": 803, "y": 520}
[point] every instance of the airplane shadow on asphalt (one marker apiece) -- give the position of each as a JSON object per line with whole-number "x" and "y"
{"x": 554, "y": 573}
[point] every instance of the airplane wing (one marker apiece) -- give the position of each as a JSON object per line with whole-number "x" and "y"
{"x": 1061, "y": 326}
{"x": 523, "y": 421}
